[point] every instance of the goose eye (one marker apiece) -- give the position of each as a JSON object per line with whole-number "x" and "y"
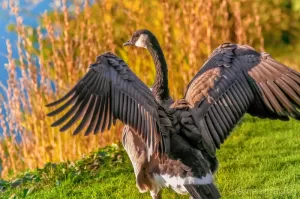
{"x": 135, "y": 37}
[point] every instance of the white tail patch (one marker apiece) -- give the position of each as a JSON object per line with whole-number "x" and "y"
{"x": 177, "y": 183}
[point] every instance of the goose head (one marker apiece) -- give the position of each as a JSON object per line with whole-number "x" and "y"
{"x": 140, "y": 38}
{"x": 145, "y": 39}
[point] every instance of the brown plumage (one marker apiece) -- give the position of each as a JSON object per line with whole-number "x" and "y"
{"x": 173, "y": 144}
{"x": 236, "y": 79}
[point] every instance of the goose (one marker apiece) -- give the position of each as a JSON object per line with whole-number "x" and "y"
{"x": 173, "y": 143}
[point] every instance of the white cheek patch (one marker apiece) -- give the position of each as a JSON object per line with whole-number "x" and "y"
{"x": 141, "y": 42}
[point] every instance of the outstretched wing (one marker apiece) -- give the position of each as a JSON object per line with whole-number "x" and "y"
{"x": 236, "y": 79}
{"x": 110, "y": 91}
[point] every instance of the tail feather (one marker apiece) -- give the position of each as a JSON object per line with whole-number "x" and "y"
{"x": 209, "y": 191}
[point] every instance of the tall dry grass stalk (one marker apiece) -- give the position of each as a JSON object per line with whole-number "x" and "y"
{"x": 56, "y": 54}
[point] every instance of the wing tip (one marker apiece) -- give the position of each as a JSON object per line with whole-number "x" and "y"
{"x": 57, "y": 123}
{"x": 64, "y": 128}
{"x": 51, "y": 114}
{"x": 51, "y": 104}
{"x": 54, "y": 124}
{"x": 76, "y": 132}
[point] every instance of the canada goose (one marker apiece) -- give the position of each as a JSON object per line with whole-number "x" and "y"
{"x": 174, "y": 144}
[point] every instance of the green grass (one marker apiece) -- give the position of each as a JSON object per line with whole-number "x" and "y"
{"x": 261, "y": 159}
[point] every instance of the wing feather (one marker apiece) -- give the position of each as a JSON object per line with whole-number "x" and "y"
{"x": 236, "y": 79}
{"x": 227, "y": 113}
{"x": 71, "y": 111}
{"x": 79, "y": 113}
{"x": 248, "y": 94}
{"x": 241, "y": 91}
{"x": 291, "y": 93}
{"x": 87, "y": 117}
{"x": 215, "y": 135}
{"x": 64, "y": 106}
{"x": 291, "y": 83}
{"x": 231, "y": 105}
{"x": 218, "y": 121}
{"x": 95, "y": 116}
{"x": 100, "y": 112}
{"x": 110, "y": 91}
{"x": 223, "y": 116}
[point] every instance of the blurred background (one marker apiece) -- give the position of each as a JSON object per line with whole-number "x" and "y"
{"x": 46, "y": 46}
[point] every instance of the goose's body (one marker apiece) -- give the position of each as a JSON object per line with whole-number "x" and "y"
{"x": 173, "y": 144}
{"x": 174, "y": 171}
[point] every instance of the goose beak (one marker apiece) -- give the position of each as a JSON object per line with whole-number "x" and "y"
{"x": 128, "y": 43}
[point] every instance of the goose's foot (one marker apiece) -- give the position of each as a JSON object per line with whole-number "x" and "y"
{"x": 155, "y": 194}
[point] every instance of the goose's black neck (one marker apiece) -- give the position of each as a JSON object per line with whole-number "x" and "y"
{"x": 160, "y": 87}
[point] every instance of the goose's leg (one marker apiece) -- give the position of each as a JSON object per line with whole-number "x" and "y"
{"x": 155, "y": 194}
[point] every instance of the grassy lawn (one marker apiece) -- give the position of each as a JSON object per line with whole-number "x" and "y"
{"x": 261, "y": 159}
